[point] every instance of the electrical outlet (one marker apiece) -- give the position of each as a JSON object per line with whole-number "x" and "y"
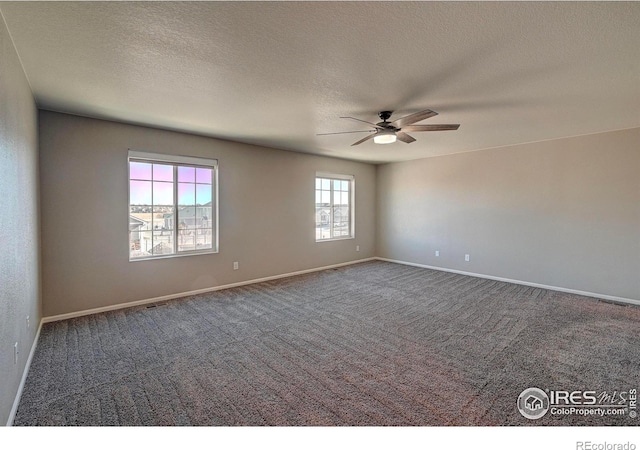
{"x": 15, "y": 353}
{"x": 236, "y": 266}
{"x": 357, "y": 248}
{"x": 437, "y": 252}
{"x": 466, "y": 257}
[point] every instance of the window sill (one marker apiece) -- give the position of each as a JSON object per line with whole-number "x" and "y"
{"x": 175, "y": 255}
{"x": 341, "y": 238}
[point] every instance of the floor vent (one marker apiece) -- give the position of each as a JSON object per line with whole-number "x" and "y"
{"x": 156, "y": 305}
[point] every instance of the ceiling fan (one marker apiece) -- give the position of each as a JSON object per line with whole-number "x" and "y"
{"x": 386, "y": 132}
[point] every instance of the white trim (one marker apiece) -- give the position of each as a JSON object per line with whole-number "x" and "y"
{"x": 339, "y": 238}
{"x": 16, "y": 402}
{"x": 337, "y": 176}
{"x": 198, "y": 291}
{"x": 612, "y": 298}
{"x": 174, "y": 159}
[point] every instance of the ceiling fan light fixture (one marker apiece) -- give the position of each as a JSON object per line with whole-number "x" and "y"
{"x": 385, "y": 137}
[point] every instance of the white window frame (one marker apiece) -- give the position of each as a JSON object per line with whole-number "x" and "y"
{"x": 352, "y": 204}
{"x": 177, "y": 160}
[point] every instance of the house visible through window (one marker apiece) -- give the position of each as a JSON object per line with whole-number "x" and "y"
{"x": 334, "y": 206}
{"x": 172, "y": 205}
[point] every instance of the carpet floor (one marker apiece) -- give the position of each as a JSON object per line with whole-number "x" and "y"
{"x": 374, "y": 343}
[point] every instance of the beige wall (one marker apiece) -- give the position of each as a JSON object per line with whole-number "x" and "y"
{"x": 19, "y": 254}
{"x": 266, "y": 214}
{"x": 563, "y": 213}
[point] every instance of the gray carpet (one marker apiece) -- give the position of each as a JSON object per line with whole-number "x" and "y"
{"x": 370, "y": 344}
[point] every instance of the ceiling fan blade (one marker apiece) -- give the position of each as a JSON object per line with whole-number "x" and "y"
{"x": 444, "y": 127}
{"x": 404, "y": 137}
{"x": 364, "y": 121}
{"x": 413, "y": 118}
{"x": 345, "y": 132}
{"x": 371, "y": 136}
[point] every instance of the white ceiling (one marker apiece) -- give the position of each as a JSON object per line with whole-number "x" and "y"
{"x": 276, "y": 74}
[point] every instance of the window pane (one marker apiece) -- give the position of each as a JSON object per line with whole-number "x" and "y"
{"x": 162, "y": 193}
{"x": 169, "y": 222}
{"x": 186, "y": 241}
{"x": 345, "y": 185}
{"x": 141, "y": 244}
{"x": 186, "y": 194}
{"x": 322, "y": 215}
{"x": 203, "y": 194}
{"x": 187, "y": 218}
{"x": 187, "y": 174}
{"x": 318, "y": 183}
{"x": 163, "y": 228}
{"x": 165, "y": 210}
{"x": 326, "y": 184}
{"x": 323, "y": 219}
{"x": 140, "y": 193}
{"x": 318, "y": 197}
{"x": 162, "y": 243}
{"x": 139, "y": 171}
{"x": 204, "y": 217}
{"x": 191, "y": 217}
{"x": 336, "y": 185}
{"x": 326, "y": 198}
{"x": 344, "y": 198}
{"x": 162, "y": 172}
{"x": 203, "y": 238}
{"x": 203, "y": 175}
{"x": 161, "y": 219}
{"x": 204, "y": 245}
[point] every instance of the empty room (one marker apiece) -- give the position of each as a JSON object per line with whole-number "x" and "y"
{"x": 320, "y": 214}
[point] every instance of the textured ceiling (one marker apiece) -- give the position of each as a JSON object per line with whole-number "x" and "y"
{"x": 276, "y": 74}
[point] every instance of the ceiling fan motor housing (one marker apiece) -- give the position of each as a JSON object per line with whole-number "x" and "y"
{"x": 384, "y": 115}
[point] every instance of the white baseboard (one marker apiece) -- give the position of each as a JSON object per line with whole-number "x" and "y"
{"x": 198, "y": 291}
{"x": 612, "y": 298}
{"x": 25, "y": 372}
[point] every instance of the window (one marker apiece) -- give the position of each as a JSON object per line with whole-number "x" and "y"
{"x": 173, "y": 208}
{"x": 334, "y": 206}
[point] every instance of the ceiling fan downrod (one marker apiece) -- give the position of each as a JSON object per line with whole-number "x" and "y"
{"x": 384, "y": 115}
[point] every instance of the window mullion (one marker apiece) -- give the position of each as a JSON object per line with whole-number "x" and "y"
{"x": 351, "y": 197}
{"x": 153, "y": 207}
{"x": 175, "y": 209}
{"x": 332, "y": 209}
